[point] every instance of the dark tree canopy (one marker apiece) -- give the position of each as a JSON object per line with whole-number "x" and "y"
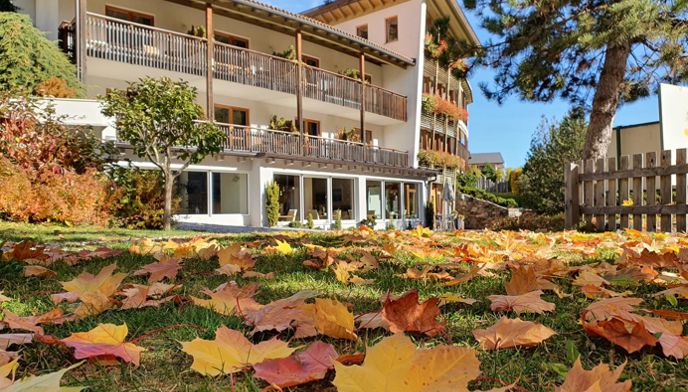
{"x": 28, "y": 58}
{"x": 593, "y": 53}
{"x": 7, "y": 6}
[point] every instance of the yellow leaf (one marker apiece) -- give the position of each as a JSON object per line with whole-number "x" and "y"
{"x": 284, "y": 248}
{"x": 333, "y": 319}
{"x": 105, "y": 340}
{"x": 396, "y": 365}
{"x": 600, "y": 378}
{"x": 7, "y": 372}
{"x": 627, "y": 203}
{"x": 231, "y": 351}
{"x": 228, "y": 297}
{"x": 46, "y": 383}
{"x": 95, "y": 291}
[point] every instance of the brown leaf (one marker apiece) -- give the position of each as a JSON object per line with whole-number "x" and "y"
{"x": 309, "y": 365}
{"x": 612, "y": 307}
{"x": 237, "y": 256}
{"x": 372, "y": 321}
{"x": 141, "y": 296}
{"x": 512, "y": 333}
{"x": 524, "y": 303}
{"x": 167, "y": 267}
{"x": 600, "y": 378}
{"x": 630, "y": 335}
{"x": 8, "y": 339}
{"x": 229, "y": 298}
{"x": 407, "y": 315}
{"x": 674, "y": 345}
{"x": 524, "y": 280}
{"x": 37, "y": 270}
{"x": 283, "y": 314}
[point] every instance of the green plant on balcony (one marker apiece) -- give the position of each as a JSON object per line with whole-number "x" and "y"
{"x": 349, "y": 135}
{"x": 440, "y": 159}
{"x": 282, "y": 124}
{"x": 435, "y": 104}
{"x": 272, "y": 203}
{"x": 289, "y": 53}
{"x": 352, "y": 73}
{"x": 197, "y": 31}
{"x": 429, "y": 103}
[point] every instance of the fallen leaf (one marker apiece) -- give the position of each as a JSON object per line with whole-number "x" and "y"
{"x": 259, "y": 275}
{"x": 7, "y": 373}
{"x": 372, "y": 321}
{"x": 632, "y": 336}
{"x": 524, "y": 303}
{"x": 396, "y": 365}
{"x": 284, "y": 314}
{"x": 141, "y": 296}
{"x": 230, "y": 298}
{"x": 168, "y": 268}
{"x": 449, "y": 298}
{"x": 512, "y": 333}
{"x": 95, "y": 292}
{"x": 611, "y": 307}
{"x": 283, "y": 248}
{"x": 309, "y": 365}
{"x": 332, "y": 318}
{"x": 599, "y": 379}
{"x": 674, "y": 345}
{"x": 104, "y": 342}
{"x": 405, "y": 314}
{"x": 47, "y": 382}
{"x": 237, "y": 257}
{"x": 8, "y": 339}
{"x": 37, "y": 270}
{"x": 231, "y": 351}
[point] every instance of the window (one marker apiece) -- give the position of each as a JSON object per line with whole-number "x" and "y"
{"x": 374, "y": 199}
{"x": 230, "y": 193}
{"x": 231, "y": 40}
{"x": 289, "y": 197}
{"x": 411, "y": 201}
{"x": 312, "y": 127}
{"x": 312, "y": 61}
{"x": 315, "y": 198}
{"x": 232, "y": 115}
{"x": 369, "y": 137}
{"x": 392, "y": 200}
{"x": 129, "y": 15}
{"x": 191, "y": 188}
{"x": 362, "y": 31}
{"x": 392, "y": 29}
{"x": 343, "y": 197}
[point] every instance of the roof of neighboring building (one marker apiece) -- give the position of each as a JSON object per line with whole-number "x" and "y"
{"x": 338, "y": 11}
{"x": 313, "y": 30}
{"x": 483, "y": 158}
{"x": 637, "y": 125}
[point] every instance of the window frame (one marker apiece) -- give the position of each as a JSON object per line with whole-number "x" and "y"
{"x": 305, "y": 58}
{"x": 388, "y": 22}
{"x": 359, "y": 29}
{"x": 307, "y": 122}
{"x": 232, "y": 109}
{"x": 233, "y": 37}
{"x": 130, "y": 13}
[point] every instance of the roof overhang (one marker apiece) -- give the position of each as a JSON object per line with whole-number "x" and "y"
{"x": 335, "y": 12}
{"x": 312, "y": 30}
{"x": 459, "y": 26}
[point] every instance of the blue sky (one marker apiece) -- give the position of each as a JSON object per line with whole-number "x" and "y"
{"x": 507, "y": 128}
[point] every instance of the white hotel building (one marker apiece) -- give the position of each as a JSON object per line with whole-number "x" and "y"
{"x": 244, "y": 83}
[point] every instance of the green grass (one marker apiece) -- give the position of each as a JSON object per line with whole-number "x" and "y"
{"x": 164, "y": 367}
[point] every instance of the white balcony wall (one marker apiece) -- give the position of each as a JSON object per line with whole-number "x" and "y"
{"x": 47, "y": 14}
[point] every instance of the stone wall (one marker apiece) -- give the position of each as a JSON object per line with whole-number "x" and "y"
{"x": 478, "y": 213}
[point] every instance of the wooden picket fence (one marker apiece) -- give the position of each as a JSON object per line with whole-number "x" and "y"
{"x": 644, "y": 194}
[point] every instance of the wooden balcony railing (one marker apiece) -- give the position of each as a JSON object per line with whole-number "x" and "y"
{"x": 122, "y": 41}
{"x": 290, "y": 145}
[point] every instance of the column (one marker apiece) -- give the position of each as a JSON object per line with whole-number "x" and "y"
{"x": 210, "y": 59}
{"x": 299, "y": 85}
{"x": 362, "y": 97}
{"x": 81, "y": 9}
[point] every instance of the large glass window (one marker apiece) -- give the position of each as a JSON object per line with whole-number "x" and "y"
{"x": 191, "y": 188}
{"x": 289, "y": 197}
{"x": 393, "y": 200}
{"x": 129, "y": 15}
{"x": 411, "y": 201}
{"x": 374, "y": 199}
{"x": 315, "y": 197}
{"x": 343, "y": 197}
{"x": 230, "y": 193}
{"x": 232, "y": 115}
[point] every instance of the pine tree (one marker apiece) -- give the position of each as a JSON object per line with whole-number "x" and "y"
{"x": 596, "y": 53}
{"x": 28, "y": 58}
{"x": 7, "y": 6}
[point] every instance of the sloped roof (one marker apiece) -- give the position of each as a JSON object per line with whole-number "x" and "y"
{"x": 483, "y": 158}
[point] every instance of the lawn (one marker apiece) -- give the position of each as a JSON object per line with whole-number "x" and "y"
{"x": 470, "y": 265}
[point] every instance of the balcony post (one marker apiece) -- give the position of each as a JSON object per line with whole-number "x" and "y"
{"x": 210, "y": 59}
{"x": 81, "y": 10}
{"x": 299, "y": 84}
{"x": 361, "y": 75}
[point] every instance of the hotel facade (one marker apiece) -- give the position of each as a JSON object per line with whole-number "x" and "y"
{"x": 327, "y": 103}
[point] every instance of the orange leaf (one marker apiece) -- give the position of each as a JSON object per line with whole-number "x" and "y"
{"x": 674, "y": 345}
{"x": 284, "y": 314}
{"x": 524, "y": 303}
{"x": 309, "y": 365}
{"x": 630, "y": 335}
{"x": 37, "y": 270}
{"x": 104, "y": 342}
{"x": 600, "y": 378}
{"x": 608, "y": 308}
{"x": 512, "y": 333}
{"x": 407, "y": 315}
{"x": 229, "y": 298}
{"x": 165, "y": 268}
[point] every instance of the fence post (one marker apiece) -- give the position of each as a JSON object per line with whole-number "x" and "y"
{"x": 680, "y": 190}
{"x": 599, "y": 195}
{"x": 665, "y": 186}
{"x": 651, "y": 190}
{"x": 637, "y": 191}
{"x": 572, "y": 195}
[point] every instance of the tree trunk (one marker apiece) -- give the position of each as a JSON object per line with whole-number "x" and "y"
{"x": 606, "y": 101}
{"x": 169, "y": 182}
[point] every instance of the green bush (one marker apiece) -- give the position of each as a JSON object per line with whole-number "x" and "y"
{"x": 338, "y": 219}
{"x": 491, "y": 197}
{"x": 138, "y": 198}
{"x": 530, "y": 221}
{"x": 514, "y": 178}
{"x": 309, "y": 221}
{"x": 541, "y": 186}
{"x": 272, "y": 203}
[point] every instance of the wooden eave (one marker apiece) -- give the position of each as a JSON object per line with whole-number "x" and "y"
{"x": 312, "y": 30}
{"x": 343, "y": 10}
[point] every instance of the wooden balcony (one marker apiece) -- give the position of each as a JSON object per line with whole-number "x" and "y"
{"x": 116, "y": 40}
{"x": 289, "y": 145}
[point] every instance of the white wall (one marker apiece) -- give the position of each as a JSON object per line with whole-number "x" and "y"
{"x": 674, "y": 116}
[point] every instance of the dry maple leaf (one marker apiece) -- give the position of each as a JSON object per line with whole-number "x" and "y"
{"x": 309, "y": 365}
{"x": 450, "y": 298}
{"x": 595, "y": 292}
{"x": 168, "y": 268}
{"x": 611, "y": 307}
{"x": 396, "y": 365}
{"x": 231, "y": 351}
{"x": 7, "y": 373}
{"x": 600, "y": 378}
{"x": 45, "y": 382}
{"x": 95, "y": 292}
{"x": 674, "y": 345}
{"x": 331, "y": 318}
{"x": 372, "y": 321}
{"x": 405, "y": 314}
{"x": 284, "y": 314}
{"x": 524, "y": 280}
{"x": 681, "y": 291}
{"x": 25, "y": 251}
{"x": 105, "y": 342}
{"x": 37, "y": 270}
{"x": 524, "y": 303}
{"x": 507, "y": 333}
{"x": 30, "y": 323}
{"x": 141, "y": 296}
{"x": 236, "y": 256}
{"x": 630, "y": 335}
{"x": 8, "y": 339}
{"x": 230, "y": 298}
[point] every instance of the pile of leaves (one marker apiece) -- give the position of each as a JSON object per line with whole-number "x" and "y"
{"x": 630, "y": 286}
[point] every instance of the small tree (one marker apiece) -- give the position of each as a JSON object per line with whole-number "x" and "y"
{"x": 28, "y": 58}
{"x": 272, "y": 203}
{"x": 489, "y": 172}
{"x": 554, "y": 144}
{"x": 158, "y": 117}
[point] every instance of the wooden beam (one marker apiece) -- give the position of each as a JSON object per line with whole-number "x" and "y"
{"x": 361, "y": 75}
{"x": 210, "y": 59}
{"x": 299, "y": 83}
{"x": 81, "y": 10}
